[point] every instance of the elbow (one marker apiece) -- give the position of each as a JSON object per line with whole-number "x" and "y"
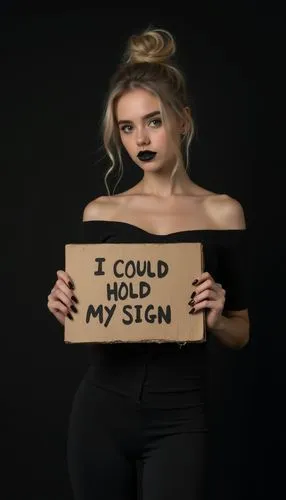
{"x": 243, "y": 338}
{"x": 240, "y": 327}
{"x": 233, "y": 331}
{"x": 242, "y": 343}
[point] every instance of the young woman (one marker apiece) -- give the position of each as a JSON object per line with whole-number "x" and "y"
{"x": 146, "y": 403}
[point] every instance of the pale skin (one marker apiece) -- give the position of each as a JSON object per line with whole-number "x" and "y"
{"x": 159, "y": 208}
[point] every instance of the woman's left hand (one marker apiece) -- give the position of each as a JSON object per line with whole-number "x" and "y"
{"x": 208, "y": 295}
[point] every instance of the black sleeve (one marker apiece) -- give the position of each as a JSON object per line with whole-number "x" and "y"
{"x": 233, "y": 269}
{"x": 93, "y": 232}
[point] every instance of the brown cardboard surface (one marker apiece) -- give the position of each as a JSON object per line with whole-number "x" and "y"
{"x": 119, "y": 304}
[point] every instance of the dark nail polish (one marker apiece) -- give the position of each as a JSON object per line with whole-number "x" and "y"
{"x": 74, "y": 299}
{"x": 192, "y": 302}
{"x": 73, "y": 308}
{"x": 71, "y": 285}
{"x": 69, "y": 316}
{"x": 195, "y": 282}
{"x": 193, "y": 294}
{"x": 192, "y": 311}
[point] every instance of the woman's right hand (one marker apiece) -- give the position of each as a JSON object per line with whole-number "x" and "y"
{"x": 61, "y": 300}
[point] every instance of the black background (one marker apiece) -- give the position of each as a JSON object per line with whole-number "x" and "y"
{"x": 55, "y": 67}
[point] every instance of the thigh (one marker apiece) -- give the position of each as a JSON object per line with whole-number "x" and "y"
{"x": 98, "y": 468}
{"x": 175, "y": 467}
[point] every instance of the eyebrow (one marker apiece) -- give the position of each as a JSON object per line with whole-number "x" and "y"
{"x": 149, "y": 115}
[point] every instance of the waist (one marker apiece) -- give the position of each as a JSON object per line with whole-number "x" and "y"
{"x": 157, "y": 369}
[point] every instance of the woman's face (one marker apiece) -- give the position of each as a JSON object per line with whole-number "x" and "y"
{"x": 142, "y": 131}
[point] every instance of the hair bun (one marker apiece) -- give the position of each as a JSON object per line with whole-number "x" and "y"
{"x": 153, "y": 45}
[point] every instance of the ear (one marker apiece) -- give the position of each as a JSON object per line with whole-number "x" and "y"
{"x": 185, "y": 121}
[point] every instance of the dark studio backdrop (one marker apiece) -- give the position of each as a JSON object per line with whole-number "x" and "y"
{"x": 55, "y": 67}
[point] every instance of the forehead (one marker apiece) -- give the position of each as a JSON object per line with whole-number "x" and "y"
{"x": 136, "y": 103}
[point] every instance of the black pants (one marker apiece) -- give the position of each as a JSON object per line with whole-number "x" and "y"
{"x": 112, "y": 437}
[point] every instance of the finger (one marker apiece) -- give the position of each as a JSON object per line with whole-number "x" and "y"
{"x": 59, "y": 310}
{"x": 218, "y": 287}
{"x": 61, "y": 317}
{"x": 61, "y": 286}
{"x": 219, "y": 290}
{"x": 62, "y": 297}
{"x": 205, "y": 295}
{"x": 56, "y": 305}
{"x": 207, "y": 284}
{"x": 63, "y": 275}
{"x": 208, "y": 304}
{"x": 200, "y": 279}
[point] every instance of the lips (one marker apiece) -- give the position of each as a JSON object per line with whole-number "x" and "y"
{"x": 146, "y": 155}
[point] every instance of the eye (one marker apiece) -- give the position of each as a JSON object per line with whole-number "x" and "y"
{"x": 126, "y": 129}
{"x": 156, "y": 122}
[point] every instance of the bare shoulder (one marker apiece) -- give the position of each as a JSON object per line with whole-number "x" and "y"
{"x": 109, "y": 207}
{"x": 226, "y": 212}
{"x": 101, "y": 208}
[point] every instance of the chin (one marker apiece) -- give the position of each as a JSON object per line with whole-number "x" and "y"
{"x": 150, "y": 165}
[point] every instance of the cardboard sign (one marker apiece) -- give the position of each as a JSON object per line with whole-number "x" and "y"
{"x": 134, "y": 292}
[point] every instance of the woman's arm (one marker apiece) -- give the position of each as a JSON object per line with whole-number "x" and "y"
{"x": 232, "y": 329}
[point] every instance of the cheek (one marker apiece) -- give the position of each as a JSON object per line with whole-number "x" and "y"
{"x": 126, "y": 141}
{"x": 162, "y": 139}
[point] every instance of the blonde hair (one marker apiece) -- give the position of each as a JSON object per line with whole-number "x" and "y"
{"x": 148, "y": 64}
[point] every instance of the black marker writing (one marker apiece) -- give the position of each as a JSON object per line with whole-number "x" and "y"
{"x": 136, "y": 268}
{"x": 91, "y": 311}
{"x": 122, "y": 291}
{"x": 99, "y": 271}
{"x": 147, "y": 316}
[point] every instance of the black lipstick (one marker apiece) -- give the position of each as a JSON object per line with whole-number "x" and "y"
{"x": 146, "y": 155}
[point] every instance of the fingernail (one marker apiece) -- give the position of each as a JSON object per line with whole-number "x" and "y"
{"x": 74, "y": 299}
{"x": 193, "y": 294}
{"x": 69, "y": 316}
{"x": 191, "y": 303}
{"x": 195, "y": 282}
{"x": 71, "y": 285}
{"x": 192, "y": 311}
{"x": 73, "y": 308}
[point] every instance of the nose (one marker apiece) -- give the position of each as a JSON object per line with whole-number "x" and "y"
{"x": 142, "y": 138}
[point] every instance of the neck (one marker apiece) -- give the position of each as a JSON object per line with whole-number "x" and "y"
{"x": 160, "y": 183}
